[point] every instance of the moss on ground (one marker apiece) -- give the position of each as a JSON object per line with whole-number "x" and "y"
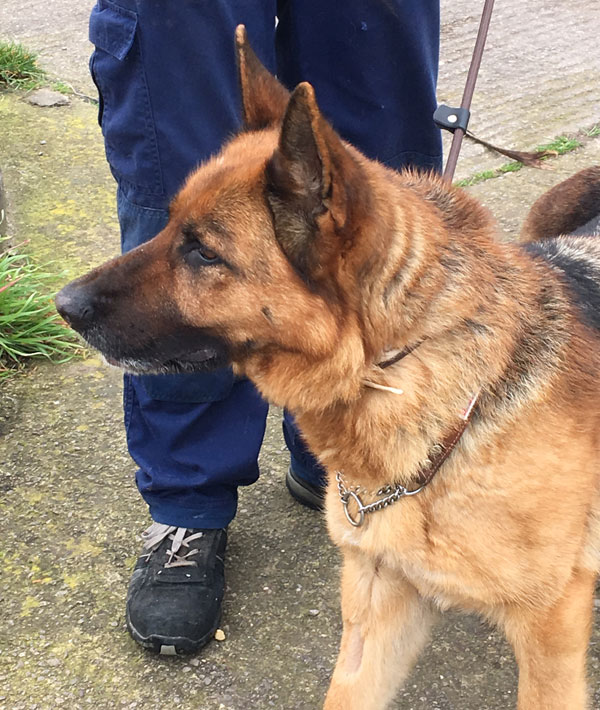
{"x": 62, "y": 193}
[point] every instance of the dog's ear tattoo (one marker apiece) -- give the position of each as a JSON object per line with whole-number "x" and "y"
{"x": 264, "y": 99}
{"x": 311, "y": 173}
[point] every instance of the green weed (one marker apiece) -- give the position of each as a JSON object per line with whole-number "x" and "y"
{"x": 476, "y": 178}
{"x": 561, "y": 145}
{"x": 512, "y": 167}
{"x": 62, "y": 87}
{"x": 19, "y": 68}
{"x": 30, "y": 327}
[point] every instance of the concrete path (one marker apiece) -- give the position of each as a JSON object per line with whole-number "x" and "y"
{"x": 69, "y": 510}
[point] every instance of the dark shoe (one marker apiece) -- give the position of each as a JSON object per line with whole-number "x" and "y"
{"x": 176, "y": 591}
{"x": 304, "y": 492}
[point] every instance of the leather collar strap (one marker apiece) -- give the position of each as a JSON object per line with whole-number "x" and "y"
{"x": 440, "y": 452}
{"x": 388, "y": 363}
{"x": 398, "y": 356}
{"x": 390, "y": 494}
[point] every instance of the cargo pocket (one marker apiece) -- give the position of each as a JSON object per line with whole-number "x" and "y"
{"x": 125, "y": 113}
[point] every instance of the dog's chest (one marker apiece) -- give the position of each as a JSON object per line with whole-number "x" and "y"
{"x": 443, "y": 561}
{"x": 393, "y": 537}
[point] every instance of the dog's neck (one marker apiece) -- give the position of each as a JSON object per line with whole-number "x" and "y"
{"x": 439, "y": 277}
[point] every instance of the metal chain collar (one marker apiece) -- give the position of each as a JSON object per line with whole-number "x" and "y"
{"x": 390, "y": 495}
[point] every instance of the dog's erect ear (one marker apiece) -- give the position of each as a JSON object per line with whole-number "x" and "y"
{"x": 264, "y": 99}
{"x": 310, "y": 173}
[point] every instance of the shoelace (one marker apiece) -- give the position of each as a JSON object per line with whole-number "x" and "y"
{"x": 157, "y": 532}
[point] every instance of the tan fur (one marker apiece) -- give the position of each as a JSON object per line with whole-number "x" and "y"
{"x": 510, "y": 526}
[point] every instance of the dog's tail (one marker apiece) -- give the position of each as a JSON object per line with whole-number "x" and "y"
{"x": 571, "y": 207}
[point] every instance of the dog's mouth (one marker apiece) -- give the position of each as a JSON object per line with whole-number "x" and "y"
{"x": 202, "y": 360}
{"x": 178, "y": 353}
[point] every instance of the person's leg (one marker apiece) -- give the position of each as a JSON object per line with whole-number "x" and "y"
{"x": 306, "y": 478}
{"x": 168, "y": 99}
{"x": 374, "y": 69}
{"x": 183, "y": 431}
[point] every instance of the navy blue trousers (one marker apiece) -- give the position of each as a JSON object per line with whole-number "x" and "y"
{"x": 169, "y": 97}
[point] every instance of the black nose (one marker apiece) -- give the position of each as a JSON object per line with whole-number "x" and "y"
{"x": 74, "y": 304}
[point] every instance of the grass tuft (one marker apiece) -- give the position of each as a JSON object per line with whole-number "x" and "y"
{"x": 561, "y": 145}
{"x": 476, "y": 178}
{"x": 30, "y": 327}
{"x": 19, "y": 68}
{"x": 512, "y": 167}
{"x": 62, "y": 87}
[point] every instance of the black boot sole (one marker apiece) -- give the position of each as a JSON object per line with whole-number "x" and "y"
{"x": 171, "y": 645}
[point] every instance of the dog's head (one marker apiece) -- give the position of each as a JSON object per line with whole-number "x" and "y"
{"x": 249, "y": 261}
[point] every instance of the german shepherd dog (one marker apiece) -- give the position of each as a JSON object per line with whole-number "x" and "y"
{"x": 379, "y": 307}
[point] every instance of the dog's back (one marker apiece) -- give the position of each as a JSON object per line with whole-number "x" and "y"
{"x": 563, "y": 229}
{"x": 577, "y": 259}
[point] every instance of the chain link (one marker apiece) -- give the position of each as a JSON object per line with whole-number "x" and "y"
{"x": 390, "y": 494}
{"x": 428, "y": 468}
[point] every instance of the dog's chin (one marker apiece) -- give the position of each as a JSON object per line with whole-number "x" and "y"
{"x": 205, "y": 360}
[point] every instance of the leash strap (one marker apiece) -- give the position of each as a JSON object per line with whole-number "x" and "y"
{"x": 456, "y": 120}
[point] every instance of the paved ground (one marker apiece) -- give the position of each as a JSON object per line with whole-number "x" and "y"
{"x": 68, "y": 508}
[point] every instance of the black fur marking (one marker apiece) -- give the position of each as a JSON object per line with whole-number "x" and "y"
{"x": 477, "y": 328}
{"x": 582, "y": 280}
{"x": 408, "y": 260}
{"x": 589, "y": 228}
{"x": 536, "y": 348}
{"x": 452, "y": 259}
{"x": 266, "y": 311}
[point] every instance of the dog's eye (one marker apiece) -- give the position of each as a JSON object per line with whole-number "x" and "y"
{"x": 199, "y": 255}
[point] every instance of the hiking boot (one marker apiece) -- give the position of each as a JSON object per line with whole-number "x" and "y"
{"x": 305, "y": 492}
{"x": 176, "y": 591}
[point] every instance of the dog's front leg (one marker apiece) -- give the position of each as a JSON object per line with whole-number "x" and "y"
{"x": 386, "y": 624}
{"x": 551, "y": 645}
